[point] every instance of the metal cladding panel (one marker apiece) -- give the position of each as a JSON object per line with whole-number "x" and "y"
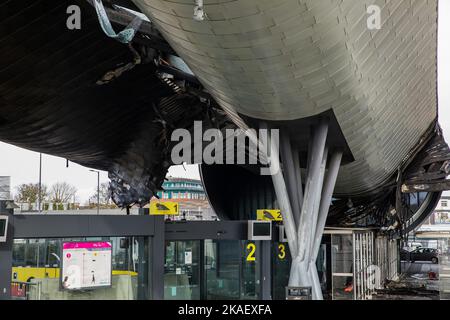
{"x": 285, "y": 60}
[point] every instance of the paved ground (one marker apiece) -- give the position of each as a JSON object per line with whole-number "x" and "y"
{"x": 414, "y": 283}
{"x": 409, "y": 268}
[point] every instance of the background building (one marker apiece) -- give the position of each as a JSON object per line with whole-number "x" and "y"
{"x": 435, "y": 231}
{"x": 442, "y": 212}
{"x": 190, "y": 196}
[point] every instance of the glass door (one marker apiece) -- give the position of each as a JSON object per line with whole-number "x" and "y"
{"x": 250, "y": 270}
{"x": 281, "y": 268}
{"x": 232, "y": 270}
{"x": 342, "y": 266}
{"x": 222, "y": 267}
{"x": 182, "y": 270}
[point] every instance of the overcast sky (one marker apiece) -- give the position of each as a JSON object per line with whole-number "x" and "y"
{"x": 23, "y": 165}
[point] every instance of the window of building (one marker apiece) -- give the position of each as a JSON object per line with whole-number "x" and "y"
{"x": 444, "y": 203}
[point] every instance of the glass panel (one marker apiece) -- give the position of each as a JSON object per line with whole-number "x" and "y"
{"x": 182, "y": 270}
{"x": 281, "y": 267}
{"x": 232, "y": 270}
{"x": 342, "y": 267}
{"x": 250, "y": 270}
{"x": 444, "y": 270}
{"x": 342, "y": 249}
{"x": 36, "y": 270}
{"x": 422, "y": 197}
{"x": 414, "y": 202}
{"x": 222, "y": 269}
{"x": 341, "y": 288}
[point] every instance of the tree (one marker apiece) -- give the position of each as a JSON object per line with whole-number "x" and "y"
{"x": 105, "y": 195}
{"x": 62, "y": 192}
{"x": 29, "y": 192}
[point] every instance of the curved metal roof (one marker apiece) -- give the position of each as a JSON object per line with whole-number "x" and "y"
{"x": 285, "y": 60}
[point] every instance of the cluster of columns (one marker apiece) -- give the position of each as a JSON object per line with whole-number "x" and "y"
{"x": 305, "y": 211}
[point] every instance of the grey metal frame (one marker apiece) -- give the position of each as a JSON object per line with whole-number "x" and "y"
{"x": 199, "y": 230}
{"x": 6, "y": 257}
{"x": 73, "y": 226}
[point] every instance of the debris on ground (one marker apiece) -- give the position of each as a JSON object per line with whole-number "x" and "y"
{"x": 413, "y": 287}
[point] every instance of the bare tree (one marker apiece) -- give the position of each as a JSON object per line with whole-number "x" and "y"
{"x": 29, "y": 192}
{"x": 62, "y": 192}
{"x": 105, "y": 195}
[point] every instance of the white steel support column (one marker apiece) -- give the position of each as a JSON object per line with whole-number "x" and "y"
{"x": 300, "y": 275}
{"x": 290, "y": 177}
{"x": 325, "y": 202}
{"x": 281, "y": 193}
{"x": 318, "y": 194}
{"x": 312, "y": 269}
{"x": 305, "y": 213}
{"x": 298, "y": 177}
{"x": 312, "y": 182}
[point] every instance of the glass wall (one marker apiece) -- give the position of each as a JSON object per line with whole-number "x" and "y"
{"x": 222, "y": 270}
{"x": 37, "y": 267}
{"x": 182, "y": 270}
{"x": 281, "y": 268}
{"x": 444, "y": 270}
{"x": 232, "y": 270}
{"x": 342, "y": 266}
{"x": 354, "y": 274}
{"x": 251, "y": 270}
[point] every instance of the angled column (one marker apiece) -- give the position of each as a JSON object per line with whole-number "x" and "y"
{"x": 305, "y": 211}
{"x": 290, "y": 174}
{"x": 300, "y": 275}
{"x": 325, "y": 203}
{"x": 281, "y": 190}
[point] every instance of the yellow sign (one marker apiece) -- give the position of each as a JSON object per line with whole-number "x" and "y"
{"x": 269, "y": 215}
{"x": 251, "y": 249}
{"x": 159, "y": 208}
{"x": 281, "y": 251}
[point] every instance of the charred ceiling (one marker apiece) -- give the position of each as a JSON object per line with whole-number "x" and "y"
{"x": 408, "y": 198}
{"x": 82, "y": 96}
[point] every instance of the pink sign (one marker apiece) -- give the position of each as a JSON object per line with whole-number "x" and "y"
{"x": 86, "y": 245}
